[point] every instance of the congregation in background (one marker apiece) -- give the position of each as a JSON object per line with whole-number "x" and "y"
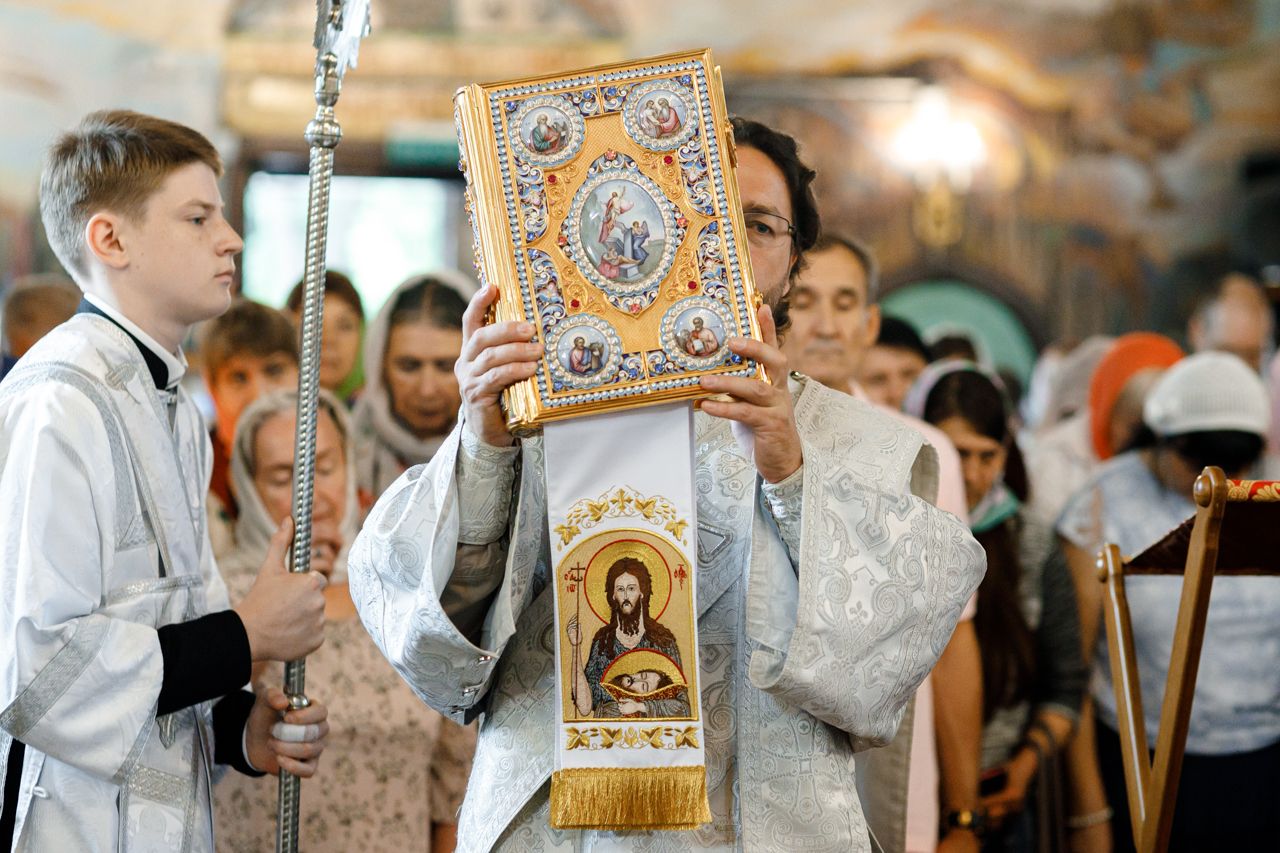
{"x": 1101, "y": 449}
{"x": 1010, "y": 744}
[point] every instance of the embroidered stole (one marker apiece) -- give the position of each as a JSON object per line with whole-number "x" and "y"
{"x": 622, "y": 516}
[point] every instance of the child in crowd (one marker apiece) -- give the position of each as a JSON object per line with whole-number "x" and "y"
{"x": 34, "y": 308}
{"x": 248, "y": 351}
{"x": 343, "y": 331}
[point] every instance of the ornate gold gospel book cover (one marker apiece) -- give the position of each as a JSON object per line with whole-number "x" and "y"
{"x": 605, "y": 209}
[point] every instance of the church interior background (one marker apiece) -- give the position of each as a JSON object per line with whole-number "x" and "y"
{"x": 1028, "y": 170}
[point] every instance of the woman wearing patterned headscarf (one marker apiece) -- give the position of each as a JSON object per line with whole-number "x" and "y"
{"x": 389, "y": 775}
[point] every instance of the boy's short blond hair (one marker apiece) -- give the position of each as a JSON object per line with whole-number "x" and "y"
{"x": 114, "y": 160}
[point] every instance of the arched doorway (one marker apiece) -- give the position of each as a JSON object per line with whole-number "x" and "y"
{"x": 941, "y": 306}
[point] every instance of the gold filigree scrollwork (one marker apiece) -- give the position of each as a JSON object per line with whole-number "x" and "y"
{"x": 648, "y": 162}
{"x": 623, "y": 502}
{"x": 677, "y": 286}
{"x": 578, "y": 297}
{"x": 664, "y": 171}
{"x": 556, "y": 186}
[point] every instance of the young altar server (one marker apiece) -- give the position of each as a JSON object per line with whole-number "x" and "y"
{"x": 120, "y": 680}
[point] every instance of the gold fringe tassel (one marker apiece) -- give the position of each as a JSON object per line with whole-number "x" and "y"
{"x": 630, "y": 798}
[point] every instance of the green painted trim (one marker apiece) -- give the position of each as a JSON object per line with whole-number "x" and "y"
{"x": 433, "y": 154}
{"x": 937, "y": 306}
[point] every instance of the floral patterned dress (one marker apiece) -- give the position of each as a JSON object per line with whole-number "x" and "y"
{"x": 391, "y": 766}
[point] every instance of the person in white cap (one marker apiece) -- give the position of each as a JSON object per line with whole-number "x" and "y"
{"x": 1208, "y": 409}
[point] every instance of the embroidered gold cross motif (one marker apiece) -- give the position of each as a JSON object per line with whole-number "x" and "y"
{"x": 621, "y": 502}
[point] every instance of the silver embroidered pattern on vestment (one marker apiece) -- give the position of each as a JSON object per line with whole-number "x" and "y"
{"x": 56, "y": 676}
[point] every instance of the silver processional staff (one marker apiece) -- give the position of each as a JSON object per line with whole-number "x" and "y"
{"x": 340, "y": 24}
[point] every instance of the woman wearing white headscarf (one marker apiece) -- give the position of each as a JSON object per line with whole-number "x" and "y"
{"x": 387, "y": 779}
{"x": 411, "y": 397}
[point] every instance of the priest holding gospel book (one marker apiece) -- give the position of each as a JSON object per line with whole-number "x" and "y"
{"x": 827, "y": 585}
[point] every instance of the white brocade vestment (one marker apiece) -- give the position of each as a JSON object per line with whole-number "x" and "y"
{"x": 104, "y": 541}
{"x": 823, "y": 601}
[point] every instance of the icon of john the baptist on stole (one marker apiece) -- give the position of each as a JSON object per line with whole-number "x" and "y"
{"x": 630, "y": 628}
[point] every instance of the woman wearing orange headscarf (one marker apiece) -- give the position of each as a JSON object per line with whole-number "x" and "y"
{"x": 1062, "y": 462}
{"x": 1120, "y": 385}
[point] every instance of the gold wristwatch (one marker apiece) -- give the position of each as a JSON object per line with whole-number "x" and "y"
{"x": 964, "y": 819}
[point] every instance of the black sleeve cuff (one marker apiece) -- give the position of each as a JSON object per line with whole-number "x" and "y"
{"x": 203, "y": 659}
{"x": 229, "y": 717}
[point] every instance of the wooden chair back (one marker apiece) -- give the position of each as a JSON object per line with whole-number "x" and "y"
{"x": 1236, "y": 530}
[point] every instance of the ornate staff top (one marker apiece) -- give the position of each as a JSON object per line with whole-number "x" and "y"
{"x": 340, "y": 24}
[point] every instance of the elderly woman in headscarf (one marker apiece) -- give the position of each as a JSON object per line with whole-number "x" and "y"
{"x": 411, "y": 397}
{"x": 389, "y": 777}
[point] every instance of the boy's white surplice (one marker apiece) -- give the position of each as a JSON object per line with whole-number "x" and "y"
{"x": 103, "y": 536}
{"x": 822, "y": 603}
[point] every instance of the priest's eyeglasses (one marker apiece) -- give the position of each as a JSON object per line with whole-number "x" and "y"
{"x": 768, "y": 230}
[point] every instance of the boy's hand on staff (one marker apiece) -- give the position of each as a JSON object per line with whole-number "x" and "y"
{"x": 279, "y": 739}
{"x": 493, "y": 358}
{"x": 283, "y": 614}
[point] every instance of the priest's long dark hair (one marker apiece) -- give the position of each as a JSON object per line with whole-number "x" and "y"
{"x": 1005, "y": 640}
